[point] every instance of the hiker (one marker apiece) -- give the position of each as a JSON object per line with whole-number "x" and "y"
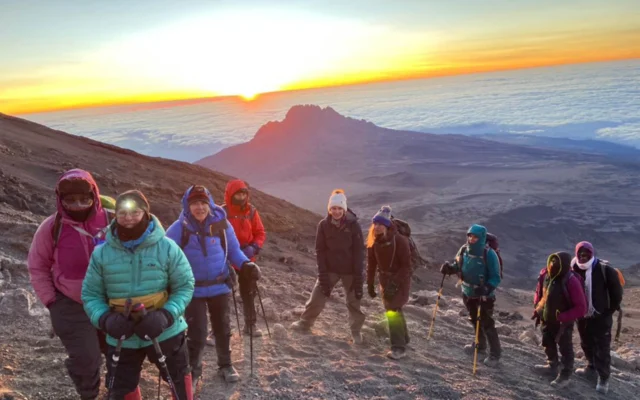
{"x": 138, "y": 262}
{"x": 57, "y": 263}
{"x": 389, "y": 254}
{"x": 249, "y": 230}
{"x": 208, "y": 241}
{"x": 604, "y": 296}
{"x": 479, "y": 271}
{"x": 340, "y": 257}
{"x": 559, "y": 302}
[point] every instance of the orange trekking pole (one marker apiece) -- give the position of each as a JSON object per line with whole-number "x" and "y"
{"x": 477, "y": 342}
{"x": 435, "y": 310}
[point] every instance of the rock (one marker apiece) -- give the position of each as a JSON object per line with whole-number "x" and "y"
{"x": 629, "y": 354}
{"x": 503, "y": 329}
{"x": 622, "y": 363}
{"x": 297, "y": 311}
{"x": 17, "y": 303}
{"x": 529, "y": 336}
{"x": 426, "y": 297}
{"x": 418, "y": 312}
{"x": 286, "y": 260}
{"x": 382, "y": 328}
{"x": 8, "y": 370}
{"x": 450, "y": 316}
{"x": 517, "y": 316}
{"x": 279, "y": 332}
{"x": 463, "y": 313}
{"x": 286, "y": 316}
{"x": 270, "y": 310}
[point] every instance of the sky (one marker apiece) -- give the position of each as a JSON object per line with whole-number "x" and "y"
{"x": 68, "y": 54}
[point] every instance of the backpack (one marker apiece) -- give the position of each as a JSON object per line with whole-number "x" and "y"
{"x": 492, "y": 243}
{"x": 603, "y": 265}
{"x": 109, "y": 206}
{"x": 405, "y": 230}
{"x": 252, "y": 213}
{"x": 565, "y": 289}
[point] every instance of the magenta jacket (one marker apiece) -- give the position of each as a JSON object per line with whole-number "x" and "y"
{"x": 63, "y": 268}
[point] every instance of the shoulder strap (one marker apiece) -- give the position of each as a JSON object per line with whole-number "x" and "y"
{"x": 184, "y": 236}
{"x": 565, "y": 288}
{"x": 252, "y": 213}
{"x": 57, "y": 228}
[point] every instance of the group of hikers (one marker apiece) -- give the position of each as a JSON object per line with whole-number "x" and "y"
{"x": 117, "y": 284}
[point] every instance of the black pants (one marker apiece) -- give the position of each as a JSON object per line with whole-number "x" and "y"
{"x": 398, "y": 332}
{"x": 595, "y": 340}
{"x": 127, "y": 375}
{"x": 83, "y": 342}
{"x": 248, "y": 295}
{"x": 488, "y": 330}
{"x": 197, "y": 333}
{"x": 565, "y": 344}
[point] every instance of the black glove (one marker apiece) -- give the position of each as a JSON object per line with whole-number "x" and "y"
{"x": 447, "y": 269}
{"x": 251, "y": 270}
{"x": 358, "y": 291}
{"x": 116, "y": 325}
{"x": 153, "y": 324}
{"x": 482, "y": 291}
{"x": 372, "y": 290}
{"x": 536, "y": 317}
{"x": 390, "y": 290}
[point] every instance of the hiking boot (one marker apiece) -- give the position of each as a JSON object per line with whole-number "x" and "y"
{"x": 587, "y": 372}
{"x": 492, "y": 361}
{"x": 229, "y": 374}
{"x": 603, "y": 386}
{"x": 255, "y": 331}
{"x": 561, "y": 381}
{"x": 471, "y": 348}
{"x": 300, "y": 326}
{"x": 396, "y": 354}
{"x": 546, "y": 369}
{"x": 357, "y": 337}
{"x": 211, "y": 340}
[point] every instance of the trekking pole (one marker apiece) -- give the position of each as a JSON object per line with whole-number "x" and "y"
{"x": 235, "y": 306}
{"x": 262, "y": 306}
{"x": 116, "y": 355}
{"x": 477, "y": 342}
{"x": 161, "y": 357}
{"x": 619, "y": 328}
{"x": 435, "y": 310}
{"x": 251, "y": 317}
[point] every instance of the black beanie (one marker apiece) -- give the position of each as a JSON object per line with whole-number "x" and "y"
{"x": 137, "y": 197}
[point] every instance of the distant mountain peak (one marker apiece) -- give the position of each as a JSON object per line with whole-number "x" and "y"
{"x": 306, "y": 111}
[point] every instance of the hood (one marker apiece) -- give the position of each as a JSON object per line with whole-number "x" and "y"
{"x": 232, "y": 188}
{"x": 78, "y": 174}
{"x": 586, "y": 245}
{"x": 481, "y": 232}
{"x": 216, "y": 212}
{"x": 565, "y": 263}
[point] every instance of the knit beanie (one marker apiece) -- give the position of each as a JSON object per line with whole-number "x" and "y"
{"x": 337, "y": 199}
{"x": 383, "y": 216}
{"x": 198, "y": 193}
{"x": 133, "y": 199}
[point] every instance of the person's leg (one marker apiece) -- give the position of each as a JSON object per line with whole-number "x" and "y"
{"x": 601, "y": 334}
{"x": 248, "y": 294}
{"x": 221, "y": 323}
{"x": 588, "y": 347}
{"x": 472, "y": 307}
{"x": 196, "y": 316}
{"x": 566, "y": 350}
{"x": 356, "y": 316}
{"x": 82, "y": 344}
{"x": 315, "y": 304}
{"x": 488, "y": 324}
{"x": 176, "y": 356}
{"x": 397, "y": 330}
{"x": 549, "y": 332}
{"x": 127, "y": 373}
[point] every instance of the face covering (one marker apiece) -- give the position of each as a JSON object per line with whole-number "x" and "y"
{"x": 127, "y": 234}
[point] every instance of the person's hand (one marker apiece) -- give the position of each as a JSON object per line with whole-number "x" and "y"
{"x": 535, "y": 317}
{"x": 447, "y": 269}
{"x": 251, "y": 270}
{"x": 153, "y": 324}
{"x": 116, "y": 325}
{"x": 251, "y": 250}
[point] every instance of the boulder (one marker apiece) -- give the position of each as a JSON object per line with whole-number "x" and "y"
{"x": 279, "y": 332}
{"x": 16, "y": 303}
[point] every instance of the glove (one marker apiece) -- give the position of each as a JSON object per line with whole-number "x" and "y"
{"x": 447, "y": 269}
{"x": 372, "y": 290}
{"x": 251, "y": 270}
{"x": 482, "y": 291}
{"x": 251, "y": 250}
{"x": 390, "y": 291}
{"x": 536, "y": 317}
{"x": 116, "y": 325}
{"x": 153, "y": 324}
{"x": 358, "y": 291}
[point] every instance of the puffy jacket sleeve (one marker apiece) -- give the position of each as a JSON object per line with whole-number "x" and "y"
{"x": 321, "y": 250}
{"x": 458, "y": 260}
{"x": 94, "y": 295}
{"x": 578, "y": 299}
{"x": 357, "y": 253}
{"x": 40, "y": 262}
{"x": 235, "y": 254}
{"x": 403, "y": 255}
{"x": 493, "y": 269}
{"x": 257, "y": 228}
{"x": 372, "y": 266}
{"x": 537, "y": 296}
{"x": 615, "y": 289}
{"x": 181, "y": 281}
{"x": 175, "y": 232}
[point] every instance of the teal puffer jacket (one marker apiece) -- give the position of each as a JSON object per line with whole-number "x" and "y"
{"x": 156, "y": 265}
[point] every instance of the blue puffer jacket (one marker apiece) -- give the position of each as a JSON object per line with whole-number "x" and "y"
{"x": 204, "y": 250}
{"x": 476, "y": 270}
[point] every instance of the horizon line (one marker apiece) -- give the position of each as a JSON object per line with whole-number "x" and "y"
{"x": 182, "y": 101}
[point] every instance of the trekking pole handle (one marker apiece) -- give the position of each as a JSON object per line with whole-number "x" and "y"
{"x": 142, "y": 310}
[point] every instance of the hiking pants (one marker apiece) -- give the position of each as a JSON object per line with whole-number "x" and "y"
{"x": 488, "y": 332}
{"x": 196, "y": 315}
{"x": 127, "y": 374}
{"x": 83, "y": 342}
{"x": 316, "y": 303}
{"x": 248, "y": 295}
{"x": 595, "y": 340}
{"x": 398, "y": 332}
{"x": 565, "y": 344}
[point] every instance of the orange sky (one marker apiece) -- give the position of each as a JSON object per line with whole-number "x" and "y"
{"x": 244, "y": 52}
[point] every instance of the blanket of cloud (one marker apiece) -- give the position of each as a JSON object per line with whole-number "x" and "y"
{"x": 587, "y": 101}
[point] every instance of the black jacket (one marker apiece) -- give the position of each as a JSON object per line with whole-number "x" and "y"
{"x": 341, "y": 249}
{"x": 607, "y": 297}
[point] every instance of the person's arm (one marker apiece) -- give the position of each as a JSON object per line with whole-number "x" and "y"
{"x": 403, "y": 254}
{"x": 493, "y": 271}
{"x": 175, "y": 232}
{"x": 94, "y": 296}
{"x": 615, "y": 289}
{"x": 579, "y": 300}
{"x": 40, "y": 262}
{"x": 234, "y": 252}
{"x": 357, "y": 248}
{"x": 181, "y": 281}
{"x": 372, "y": 266}
{"x": 259, "y": 234}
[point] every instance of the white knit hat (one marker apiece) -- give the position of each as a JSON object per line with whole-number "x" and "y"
{"x": 338, "y": 199}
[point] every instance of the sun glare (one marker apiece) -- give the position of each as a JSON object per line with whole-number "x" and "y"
{"x": 249, "y": 96}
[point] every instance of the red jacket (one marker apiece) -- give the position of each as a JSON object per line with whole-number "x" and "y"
{"x": 249, "y": 231}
